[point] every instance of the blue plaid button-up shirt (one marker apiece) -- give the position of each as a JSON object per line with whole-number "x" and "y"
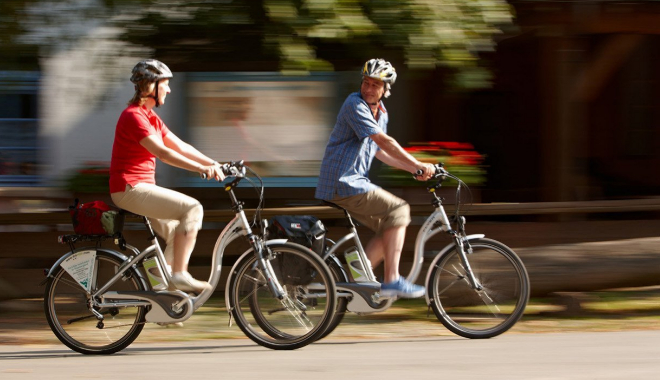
{"x": 350, "y": 151}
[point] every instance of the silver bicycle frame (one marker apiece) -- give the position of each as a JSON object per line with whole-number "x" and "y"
{"x": 362, "y": 254}
{"x": 425, "y": 232}
{"x": 436, "y": 222}
{"x": 237, "y": 227}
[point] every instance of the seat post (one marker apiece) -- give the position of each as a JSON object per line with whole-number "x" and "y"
{"x": 150, "y": 229}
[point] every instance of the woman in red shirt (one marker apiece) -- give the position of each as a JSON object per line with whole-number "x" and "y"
{"x": 140, "y": 138}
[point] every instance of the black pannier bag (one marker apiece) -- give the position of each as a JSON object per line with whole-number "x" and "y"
{"x": 305, "y": 230}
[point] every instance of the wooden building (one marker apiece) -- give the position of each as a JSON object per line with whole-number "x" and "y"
{"x": 575, "y": 110}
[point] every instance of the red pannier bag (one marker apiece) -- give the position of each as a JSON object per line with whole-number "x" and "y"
{"x": 86, "y": 218}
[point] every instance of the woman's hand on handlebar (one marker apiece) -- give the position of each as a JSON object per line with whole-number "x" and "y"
{"x": 213, "y": 171}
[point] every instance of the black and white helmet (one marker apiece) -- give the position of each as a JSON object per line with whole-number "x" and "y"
{"x": 380, "y": 69}
{"x": 150, "y": 69}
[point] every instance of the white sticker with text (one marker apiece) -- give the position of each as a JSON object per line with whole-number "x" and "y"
{"x": 80, "y": 266}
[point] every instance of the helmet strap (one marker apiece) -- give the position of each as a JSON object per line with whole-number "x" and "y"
{"x": 156, "y": 95}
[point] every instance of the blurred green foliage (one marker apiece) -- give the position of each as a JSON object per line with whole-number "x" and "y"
{"x": 293, "y": 36}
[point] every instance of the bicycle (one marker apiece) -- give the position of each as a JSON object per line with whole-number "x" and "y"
{"x": 477, "y": 287}
{"x": 97, "y": 300}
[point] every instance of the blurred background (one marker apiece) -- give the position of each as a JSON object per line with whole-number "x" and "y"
{"x": 548, "y": 109}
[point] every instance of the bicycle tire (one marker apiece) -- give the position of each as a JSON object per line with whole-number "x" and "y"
{"x": 70, "y": 319}
{"x": 297, "y": 320}
{"x": 339, "y": 275}
{"x": 468, "y": 312}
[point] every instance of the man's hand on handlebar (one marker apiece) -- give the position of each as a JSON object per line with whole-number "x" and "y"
{"x": 426, "y": 172}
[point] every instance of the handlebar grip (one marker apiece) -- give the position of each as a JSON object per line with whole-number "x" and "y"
{"x": 225, "y": 169}
{"x": 419, "y": 172}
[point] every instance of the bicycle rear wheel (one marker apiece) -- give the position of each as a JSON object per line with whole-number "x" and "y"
{"x": 482, "y": 313}
{"x": 301, "y": 316}
{"x": 68, "y": 312}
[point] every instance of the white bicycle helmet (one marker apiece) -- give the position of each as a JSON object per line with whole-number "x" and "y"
{"x": 150, "y": 69}
{"x": 380, "y": 69}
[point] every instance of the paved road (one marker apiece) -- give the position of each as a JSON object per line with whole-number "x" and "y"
{"x": 597, "y": 355}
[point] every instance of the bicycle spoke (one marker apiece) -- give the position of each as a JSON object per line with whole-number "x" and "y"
{"x": 252, "y": 293}
{"x": 448, "y": 286}
{"x": 490, "y": 304}
{"x": 255, "y": 280}
{"x": 456, "y": 272}
{"x": 73, "y": 285}
{"x": 293, "y": 306}
{"x": 297, "y": 314}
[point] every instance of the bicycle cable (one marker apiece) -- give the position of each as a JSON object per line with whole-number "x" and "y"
{"x": 259, "y": 189}
{"x": 468, "y": 204}
{"x": 458, "y": 195}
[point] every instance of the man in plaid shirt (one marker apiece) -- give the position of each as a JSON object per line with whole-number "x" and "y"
{"x": 359, "y": 135}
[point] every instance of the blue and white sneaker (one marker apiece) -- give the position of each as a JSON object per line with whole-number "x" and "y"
{"x": 401, "y": 289}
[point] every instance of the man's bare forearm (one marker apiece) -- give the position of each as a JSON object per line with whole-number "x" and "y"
{"x": 394, "y": 155}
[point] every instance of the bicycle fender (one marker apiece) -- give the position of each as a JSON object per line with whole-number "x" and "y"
{"x": 446, "y": 249}
{"x": 335, "y": 260}
{"x": 118, "y": 255}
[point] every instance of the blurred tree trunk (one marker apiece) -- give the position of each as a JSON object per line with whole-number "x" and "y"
{"x": 592, "y": 266}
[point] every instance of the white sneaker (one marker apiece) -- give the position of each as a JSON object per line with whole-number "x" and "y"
{"x": 185, "y": 282}
{"x": 170, "y": 324}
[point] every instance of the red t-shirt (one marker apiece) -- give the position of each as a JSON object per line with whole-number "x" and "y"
{"x": 132, "y": 163}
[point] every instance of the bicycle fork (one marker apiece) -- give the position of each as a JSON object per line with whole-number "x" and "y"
{"x": 290, "y": 304}
{"x": 263, "y": 256}
{"x": 464, "y": 248}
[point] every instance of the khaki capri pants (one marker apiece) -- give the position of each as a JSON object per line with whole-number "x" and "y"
{"x": 168, "y": 211}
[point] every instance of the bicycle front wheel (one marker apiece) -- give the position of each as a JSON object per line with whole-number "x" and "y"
{"x": 483, "y": 313}
{"x": 301, "y": 316}
{"x": 67, "y": 307}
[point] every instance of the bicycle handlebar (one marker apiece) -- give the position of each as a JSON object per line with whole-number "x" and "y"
{"x": 440, "y": 171}
{"x": 231, "y": 169}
